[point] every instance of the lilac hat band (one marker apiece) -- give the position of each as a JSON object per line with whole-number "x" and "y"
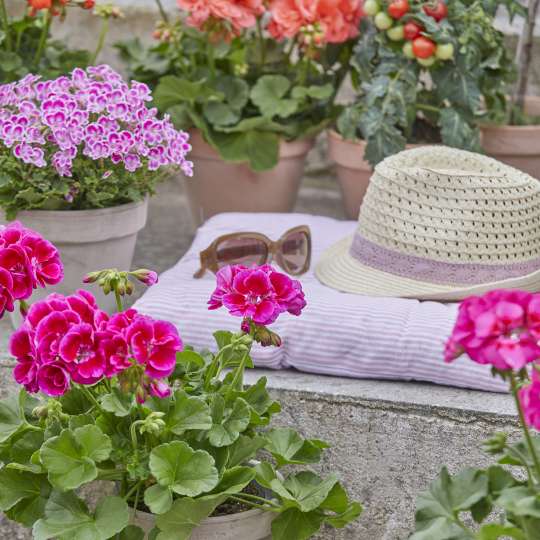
{"x": 428, "y": 270}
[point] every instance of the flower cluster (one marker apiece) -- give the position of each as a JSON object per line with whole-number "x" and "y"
{"x": 323, "y": 21}
{"x": 27, "y": 261}
{"x": 240, "y": 14}
{"x": 56, "y": 6}
{"x": 258, "y": 294}
{"x": 92, "y": 115}
{"x": 501, "y": 328}
{"x": 69, "y": 339}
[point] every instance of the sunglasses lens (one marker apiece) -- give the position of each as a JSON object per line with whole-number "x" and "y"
{"x": 295, "y": 250}
{"x": 246, "y": 251}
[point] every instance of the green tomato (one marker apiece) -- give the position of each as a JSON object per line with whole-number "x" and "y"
{"x": 426, "y": 62}
{"x": 371, "y": 8}
{"x": 383, "y": 21}
{"x": 444, "y": 51}
{"x": 408, "y": 50}
{"x": 396, "y": 33}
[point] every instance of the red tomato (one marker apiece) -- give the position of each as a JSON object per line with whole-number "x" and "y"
{"x": 423, "y": 47}
{"x": 412, "y": 30}
{"x": 438, "y": 11}
{"x": 398, "y": 8}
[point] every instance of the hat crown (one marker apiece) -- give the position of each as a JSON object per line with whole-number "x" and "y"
{"x": 452, "y": 206}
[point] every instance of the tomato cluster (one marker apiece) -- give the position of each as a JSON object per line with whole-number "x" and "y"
{"x": 397, "y": 19}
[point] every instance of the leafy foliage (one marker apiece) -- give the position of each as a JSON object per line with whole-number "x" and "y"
{"x": 180, "y": 457}
{"x": 244, "y": 96}
{"x": 399, "y": 101}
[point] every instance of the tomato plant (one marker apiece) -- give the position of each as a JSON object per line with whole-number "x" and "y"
{"x": 398, "y": 8}
{"x": 428, "y": 78}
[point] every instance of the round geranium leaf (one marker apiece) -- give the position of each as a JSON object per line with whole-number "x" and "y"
{"x": 184, "y": 470}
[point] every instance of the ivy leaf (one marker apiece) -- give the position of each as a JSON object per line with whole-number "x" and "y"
{"x": 288, "y": 448}
{"x": 294, "y": 524}
{"x": 67, "y": 517}
{"x": 70, "y": 458}
{"x": 437, "y": 508}
{"x": 268, "y": 95}
{"x": 10, "y": 419}
{"x": 228, "y": 424}
{"x": 158, "y": 499}
{"x": 189, "y": 413}
{"x": 185, "y": 471}
{"x": 117, "y": 403}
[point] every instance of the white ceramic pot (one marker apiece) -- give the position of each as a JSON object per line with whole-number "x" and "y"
{"x": 250, "y": 525}
{"x": 88, "y": 240}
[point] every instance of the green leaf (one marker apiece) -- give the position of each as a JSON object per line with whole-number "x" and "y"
{"x": 186, "y": 514}
{"x": 68, "y": 518}
{"x": 235, "y": 90}
{"x": 10, "y": 419}
{"x": 244, "y": 449}
{"x": 158, "y": 499}
{"x": 457, "y": 84}
{"x": 220, "y": 114}
{"x": 520, "y": 501}
{"x": 287, "y": 447}
{"x": 190, "y": 359}
{"x": 437, "y": 508}
{"x": 10, "y": 61}
{"x": 117, "y": 403}
{"x": 269, "y": 95}
{"x": 227, "y": 425}
{"x": 70, "y": 458}
{"x": 189, "y": 413}
{"x": 131, "y": 532}
{"x": 19, "y": 485}
{"x": 235, "y": 480}
{"x": 182, "y": 469}
{"x": 315, "y": 92}
{"x": 457, "y": 131}
{"x": 296, "y": 525}
{"x": 175, "y": 90}
{"x": 308, "y": 490}
{"x": 494, "y": 531}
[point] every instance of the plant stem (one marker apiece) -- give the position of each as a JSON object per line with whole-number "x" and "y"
{"x": 265, "y": 508}
{"x": 429, "y": 108}
{"x": 162, "y": 11}
{"x": 262, "y": 43}
{"x": 238, "y": 380}
{"x": 257, "y": 498}
{"x": 119, "y": 305}
{"x": 136, "y": 505}
{"x": 90, "y": 396}
{"x": 5, "y": 24}
{"x": 101, "y": 40}
{"x": 528, "y": 439}
{"x": 132, "y": 490}
{"x": 43, "y": 38}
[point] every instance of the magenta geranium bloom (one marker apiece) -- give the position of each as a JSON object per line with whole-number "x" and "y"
{"x": 498, "y": 329}
{"x": 529, "y": 396}
{"x": 258, "y": 294}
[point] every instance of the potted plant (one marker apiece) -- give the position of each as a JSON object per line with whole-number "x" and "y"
{"x": 421, "y": 72}
{"x": 515, "y": 140}
{"x": 502, "y": 500}
{"x": 79, "y": 156}
{"x": 254, "y": 83}
{"x": 186, "y": 448}
{"x": 28, "y": 46}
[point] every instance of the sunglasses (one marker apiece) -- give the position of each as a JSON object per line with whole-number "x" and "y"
{"x": 292, "y": 252}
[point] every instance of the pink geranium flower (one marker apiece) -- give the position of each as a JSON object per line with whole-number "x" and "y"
{"x": 337, "y": 20}
{"x": 529, "y": 396}
{"x": 258, "y": 294}
{"x": 53, "y": 379}
{"x": 240, "y": 14}
{"x": 498, "y": 329}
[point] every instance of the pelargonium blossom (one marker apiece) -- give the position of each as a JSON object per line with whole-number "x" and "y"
{"x": 68, "y": 339}
{"x": 93, "y": 115}
{"x": 240, "y": 14}
{"x": 334, "y": 21}
{"x": 258, "y": 294}
{"x": 500, "y": 328}
{"x": 529, "y": 397}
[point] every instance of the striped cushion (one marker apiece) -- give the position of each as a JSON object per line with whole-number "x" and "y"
{"x": 338, "y": 334}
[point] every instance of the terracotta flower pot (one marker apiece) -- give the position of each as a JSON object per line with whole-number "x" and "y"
{"x": 251, "y": 525}
{"x": 353, "y": 171}
{"x": 88, "y": 240}
{"x": 518, "y": 146}
{"x": 218, "y": 186}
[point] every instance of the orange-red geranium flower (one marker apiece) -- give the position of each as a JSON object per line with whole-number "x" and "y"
{"x": 338, "y": 20}
{"x": 239, "y": 13}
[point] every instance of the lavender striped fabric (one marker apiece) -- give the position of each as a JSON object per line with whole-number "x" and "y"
{"x": 338, "y": 334}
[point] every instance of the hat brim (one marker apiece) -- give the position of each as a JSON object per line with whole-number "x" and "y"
{"x": 339, "y": 270}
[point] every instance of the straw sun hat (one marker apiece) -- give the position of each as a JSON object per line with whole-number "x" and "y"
{"x": 442, "y": 224}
